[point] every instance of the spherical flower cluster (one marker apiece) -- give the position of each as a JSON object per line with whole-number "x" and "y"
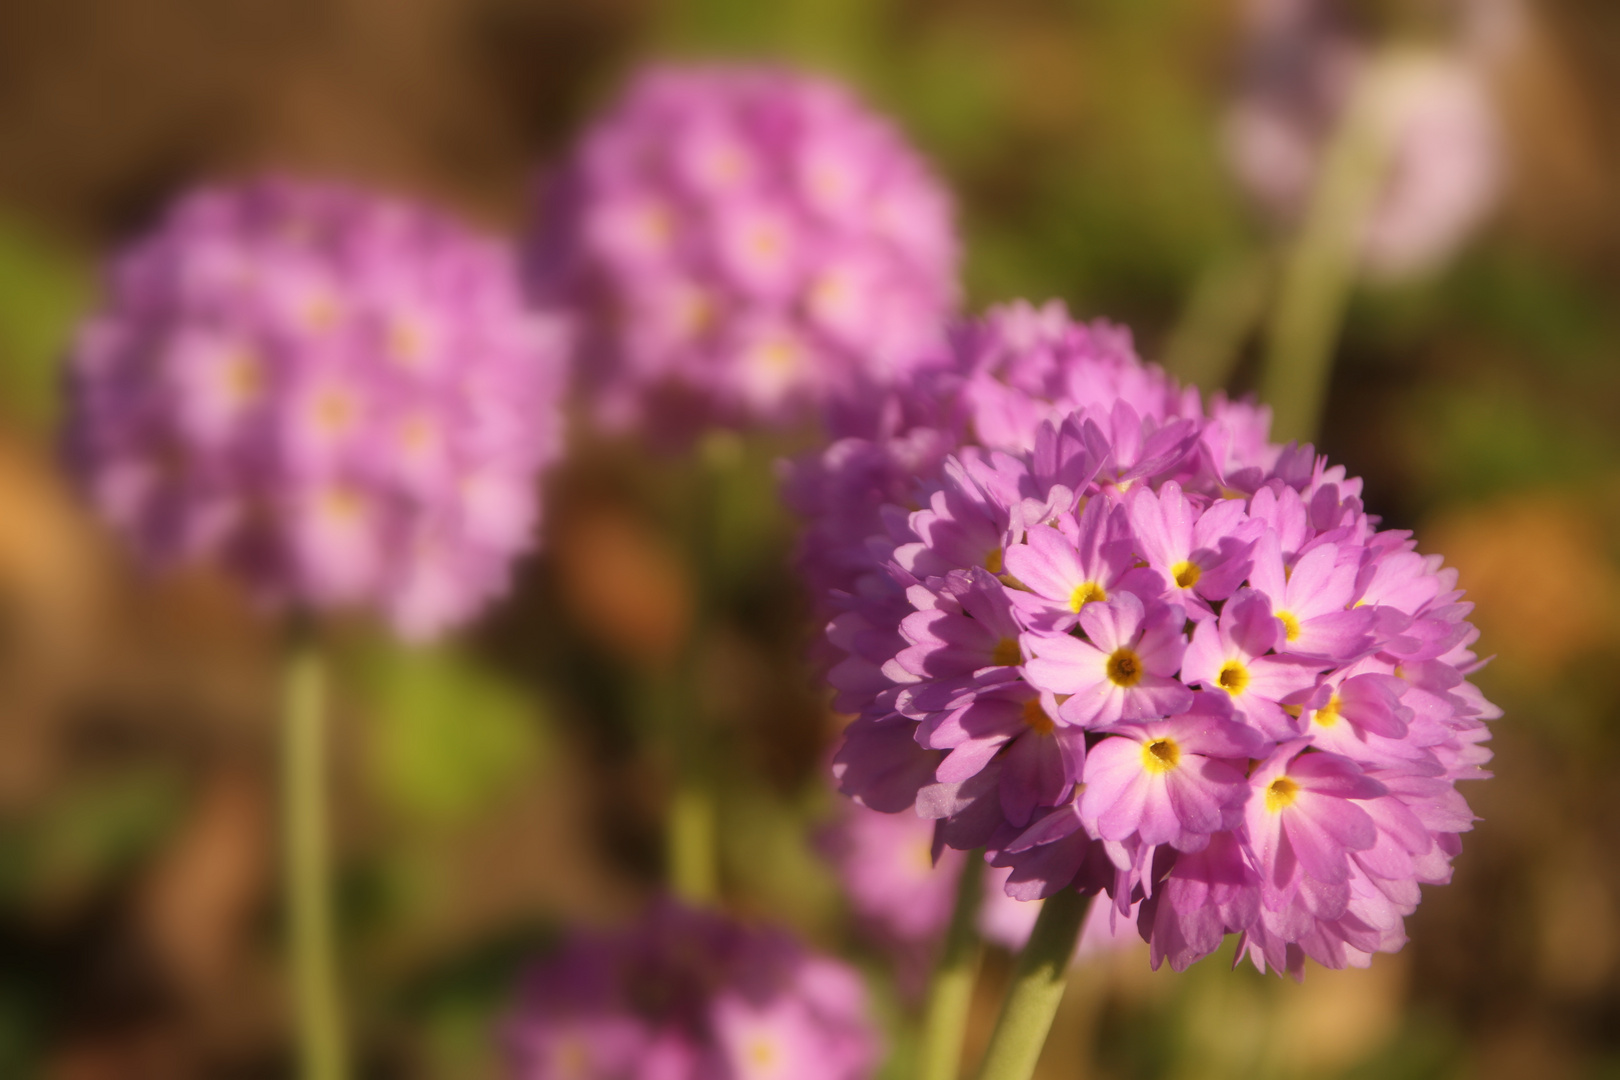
{"x": 740, "y": 244}
{"x": 338, "y": 396}
{"x": 1434, "y": 118}
{"x": 1128, "y": 645}
{"x": 688, "y": 995}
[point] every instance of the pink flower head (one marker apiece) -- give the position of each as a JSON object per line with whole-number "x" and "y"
{"x": 1304, "y": 822}
{"x": 1124, "y": 668}
{"x": 1063, "y": 569}
{"x": 1311, "y": 600}
{"x": 1093, "y": 629}
{"x": 1170, "y": 781}
{"x": 887, "y": 867}
{"x": 338, "y": 396}
{"x": 1202, "y": 550}
{"x": 687, "y": 995}
{"x": 1434, "y": 118}
{"x": 748, "y": 242}
{"x": 1233, "y": 655}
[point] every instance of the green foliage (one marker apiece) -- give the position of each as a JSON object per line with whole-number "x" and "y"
{"x": 86, "y": 834}
{"x": 448, "y": 739}
{"x": 42, "y": 291}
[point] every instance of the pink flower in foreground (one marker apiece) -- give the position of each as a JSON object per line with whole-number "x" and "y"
{"x": 1097, "y": 644}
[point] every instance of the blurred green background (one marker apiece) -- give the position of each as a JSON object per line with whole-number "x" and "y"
{"x": 497, "y": 789}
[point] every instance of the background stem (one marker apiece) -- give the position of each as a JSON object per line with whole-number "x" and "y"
{"x": 1321, "y": 267}
{"x": 1036, "y": 990}
{"x": 693, "y": 831}
{"x": 950, "y": 992}
{"x": 1227, "y": 303}
{"x": 306, "y": 874}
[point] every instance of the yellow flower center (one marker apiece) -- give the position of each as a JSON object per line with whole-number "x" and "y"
{"x": 696, "y": 313}
{"x": 766, "y": 242}
{"x": 1281, "y": 793}
{"x": 656, "y": 225}
{"x": 1124, "y": 668}
{"x": 761, "y": 1053}
{"x": 571, "y": 1059}
{"x": 1186, "y": 574}
{"x": 1035, "y": 717}
{"x": 321, "y": 314}
{"x": 1290, "y": 624}
{"x": 244, "y": 378}
{"x": 993, "y": 561}
{"x": 341, "y": 504}
{"x": 406, "y": 342}
{"x": 779, "y": 354}
{"x": 1007, "y": 653}
{"x": 1160, "y": 755}
{"x": 1233, "y": 677}
{"x": 1328, "y": 714}
{"x": 416, "y": 433}
{"x": 334, "y": 412}
{"x": 1084, "y": 594}
{"x": 726, "y": 164}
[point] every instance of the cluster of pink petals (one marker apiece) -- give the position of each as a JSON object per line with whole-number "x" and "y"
{"x": 741, "y": 244}
{"x": 1126, "y": 644}
{"x": 1436, "y": 120}
{"x": 339, "y": 397}
{"x": 690, "y": 995}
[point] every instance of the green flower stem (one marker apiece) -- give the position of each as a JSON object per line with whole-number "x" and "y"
{"x": 950, "y": 993}
{"x": 307, "y": 880}
{"x": 1227, "y": 303}
{"x": 693, "y": 825}
{"x": 1320, "y": 269}
{"x": 693, "y": 831}
{"x": 1037, "y": 988}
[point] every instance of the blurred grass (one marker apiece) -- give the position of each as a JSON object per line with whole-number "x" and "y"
{"x": 43, "y": 290}
{"x": 448, "y": 740}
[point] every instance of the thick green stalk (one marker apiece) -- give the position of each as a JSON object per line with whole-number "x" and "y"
{"x": 950, "y": 993}
{"x": 693, "y": 832}
{"x": 307, "y": 880}
{"x": 1037, "y": 988}
{"x": 693, "y": 826}
{"x": 1227, "y": 303}
{"x": 1321, "y": 267}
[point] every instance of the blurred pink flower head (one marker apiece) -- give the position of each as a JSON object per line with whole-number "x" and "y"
{"x": 1434, "y": 118}
{"x": 338, "y": 396}
{"x": 1131, "y": 646}
{"x": 689, "y": 995}
{"x": 903, "y": 897}
{"x": 740, "y": 244}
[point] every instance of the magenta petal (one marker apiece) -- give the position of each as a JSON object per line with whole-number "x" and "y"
{"x": 968, "y": 759}
{"x": 1320, "y": 855}
{"x": 1154, "y": 696}
{"x": 1065, "y": 665}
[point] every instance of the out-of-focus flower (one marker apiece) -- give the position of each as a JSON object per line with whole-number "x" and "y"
{"x": 688, "y": 995}
{"x": 338, "y": 396}
{"x": 1434, "y": 119}
{"x": 903, "y": 897}
{"x": 740, "y": 244}
{"x": 1038, "y": 664}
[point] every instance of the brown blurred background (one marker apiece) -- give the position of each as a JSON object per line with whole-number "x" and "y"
{"x": 495, "y": 789}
